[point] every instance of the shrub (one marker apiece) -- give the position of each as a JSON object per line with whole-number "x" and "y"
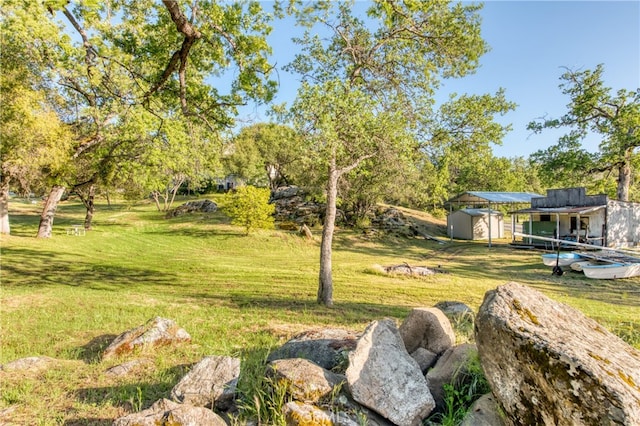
{"x": 249, "y": 207}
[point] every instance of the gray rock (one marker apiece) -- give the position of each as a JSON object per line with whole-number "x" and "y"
{"x": 548, "y": 364}
{"x": 127, "y": 367}
{"x": 305, "y": 380}
{"x": 451, "y": 368}
{"x": 327, "y": 347}
{"x": 156, "y": 332}
{"x": 484, "y": 412}
{"x": 454, "y": 309}
{"x": 168, "y": 413}
{"x": 29, "y": 364}
{"x": 425, "y": 358}
{"x": 383, "y": 377}
{"x": 427, "y": 328}
{"x": 285, "y": 192}
{"x": 203, "y": 206}
{"x": 210, "y": 383}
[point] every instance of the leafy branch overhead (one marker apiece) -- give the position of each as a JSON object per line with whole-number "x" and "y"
{"x": 206, "y": 58}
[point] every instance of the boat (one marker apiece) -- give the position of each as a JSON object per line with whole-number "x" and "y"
{"x": 577, "y": 266}
{"x": 561, "y": 259}
{"x": 611, "y": 271}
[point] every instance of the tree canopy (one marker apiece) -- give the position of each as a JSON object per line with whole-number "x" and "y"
{"x": 125, "y": 77}
{"x": 593, "y": 109}
{"x": 368, "y": 85}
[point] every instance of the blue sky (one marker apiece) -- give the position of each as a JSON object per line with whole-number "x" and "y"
{"x": 531, "y": 42}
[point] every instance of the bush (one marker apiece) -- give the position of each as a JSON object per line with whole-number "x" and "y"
{"x": 249, "y": 207}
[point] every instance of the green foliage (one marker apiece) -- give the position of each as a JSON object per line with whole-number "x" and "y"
{"x": 468, "y": 385}
{"x": 249, "y": 207}
{"x": 260, "y": 397}
{"x": 593, "y": 109}
{"x": 265, "y": 153}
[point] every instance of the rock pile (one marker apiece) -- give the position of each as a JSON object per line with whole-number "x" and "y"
{"x": 546, "y": 363}
{"x": 292, "y": 206}
{"x": 202, "y": 206}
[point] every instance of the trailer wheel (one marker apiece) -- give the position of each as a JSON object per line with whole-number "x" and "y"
{"x": 557, "y": 271}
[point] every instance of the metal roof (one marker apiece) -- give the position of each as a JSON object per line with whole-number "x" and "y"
{"x": 480, "y": 212}
{"x": 562, "y": 210}
{"x": 482, "y": 197}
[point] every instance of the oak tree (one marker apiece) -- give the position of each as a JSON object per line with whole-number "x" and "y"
{"x": 368, "y": 85}
{"x": 593, "y": 110}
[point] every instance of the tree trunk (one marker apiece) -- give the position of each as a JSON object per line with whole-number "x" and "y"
{"x": 4, "y": 210}
{"x": 49, "y": 211}
{"x": 624, "y": 181}
{"x": 90, "y": 206}
{"x": 325, "y": 286}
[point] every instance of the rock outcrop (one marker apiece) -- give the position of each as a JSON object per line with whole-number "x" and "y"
{"x": 548, "y": 364}
{"x": 156, "y": 332}
{"x": 291, "y": 206}
{"x": 197, "y": 206}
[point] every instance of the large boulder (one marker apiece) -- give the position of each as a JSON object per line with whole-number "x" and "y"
{"x": 156, "y": 332}
{"x": 548, "y": 364}
{"x": 383, "y": 376}
{"x": 328, "y": 348}
{"x": 427, "y": 328}
{"x": 210, "y": 383}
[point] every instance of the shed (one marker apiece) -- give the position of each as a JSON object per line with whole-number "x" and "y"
{"x": 486, "y": 199}
{"x": 475, "y": 224}
{"x": 570, "y": 214}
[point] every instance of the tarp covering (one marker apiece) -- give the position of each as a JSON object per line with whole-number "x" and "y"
{"x": 482, "y": 197}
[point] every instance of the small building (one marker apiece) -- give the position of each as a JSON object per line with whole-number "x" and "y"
{"x": 475, "y": 224}
{"x": 571, "y": 215}
{"x": 229, "y": 182}
{"x": 487, "y": 199}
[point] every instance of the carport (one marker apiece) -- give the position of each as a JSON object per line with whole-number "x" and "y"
{"x": 488, "y": 199}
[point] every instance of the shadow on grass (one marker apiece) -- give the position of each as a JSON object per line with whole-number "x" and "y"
{"x": 91, "y": 353}
{"x": 341, "y": 312}
{"x": 133, "y": 397}
{"x": 91, "y": 421}
{"x": 38, "y": 267}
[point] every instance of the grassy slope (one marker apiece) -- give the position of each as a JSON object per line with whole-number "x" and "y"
{"x": 66, "y": 297}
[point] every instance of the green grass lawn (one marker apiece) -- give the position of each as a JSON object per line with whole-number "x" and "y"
{"x": 67, "y": 297}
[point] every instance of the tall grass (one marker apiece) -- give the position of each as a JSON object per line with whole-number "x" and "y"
{"x": 67, "y": 297}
